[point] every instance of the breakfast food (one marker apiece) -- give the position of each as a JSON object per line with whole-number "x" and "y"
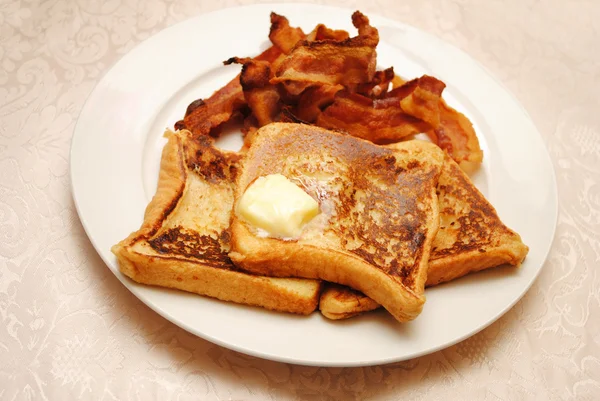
{"x": 184, "y": 240}
{"x": 471, "y": 238}
{"x": 341, "y": 302}
{"x": 327, "y": 61}
{"x": 329, "y": 79}
{"x": 375, "y": 225}
{"x": 329, "y": 185}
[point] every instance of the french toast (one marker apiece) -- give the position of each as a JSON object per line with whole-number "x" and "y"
{"x": 341, "y": 302}
{"x": 184, "y": 239}
{"x": 471, "y": 238}
{"x": 378, "y": 213}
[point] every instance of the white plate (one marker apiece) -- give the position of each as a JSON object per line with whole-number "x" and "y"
{"x": 115, "y": 158}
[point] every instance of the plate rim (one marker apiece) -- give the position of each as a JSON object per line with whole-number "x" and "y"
{"x": 131, "y": 286}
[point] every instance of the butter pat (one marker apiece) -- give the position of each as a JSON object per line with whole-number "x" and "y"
{"x": 277, "y": 205}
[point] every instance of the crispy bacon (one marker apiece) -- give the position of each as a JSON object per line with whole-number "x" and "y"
{"x": 456, "y": 136}
{"x": 379, "y": 86}
{"x": 421, "y": 98}
{"x": 331, "y": 62}
{"x": 380, "y": 120}
{"x": 451, "y": 130}
{"x": 397, "y": 81}
{"x": 255, "y": 73}
{"x": 283, "y": 35}
{"x": 368, "y": 33}
{"x": 314, "y": 100}
{"x": 202, "y": 116}
{"x": 329, "y": 79}
{"x": 288, "y": 116}
{"x": 262, "y": 97}
{"x": 321, "y": 32}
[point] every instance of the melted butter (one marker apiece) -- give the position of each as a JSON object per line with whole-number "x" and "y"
{"x": 277, "y": 207}
{"x": 322, "y": 187}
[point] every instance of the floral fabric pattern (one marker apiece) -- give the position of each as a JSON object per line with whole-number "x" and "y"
{"x": 70, "y": 330}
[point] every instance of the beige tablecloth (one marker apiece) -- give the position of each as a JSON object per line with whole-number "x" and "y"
{"x": 71, "y": 330}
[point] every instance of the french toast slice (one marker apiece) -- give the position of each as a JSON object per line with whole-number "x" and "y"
{"x": 184, "y": 239}
{"x": 341, "y": 302}
{"x": 471, "y": 238}
{"x": 378, "y": 213}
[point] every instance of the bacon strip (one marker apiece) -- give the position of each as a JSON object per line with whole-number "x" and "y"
{"x": 456, "y": 136}
{"x": 379, "y": 85}
{"x": 379, "y": 121}
{"x": 314, "y": 100}
{"x": 421, "y": 98}
{"x": 397, "y": 82}
{"x": 451, "y": 130}
{"x": 262, "y": 97}
{"x": 330, "y": 62}
{"x": 321, "y": 32}
{"x": 283, "y": 35}
{"x": 328, "y": 78}
{"x": 202, "y": 116}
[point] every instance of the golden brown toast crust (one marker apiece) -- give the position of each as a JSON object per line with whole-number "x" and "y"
{"x": 340, "y": 302}
{"x": 372, "y": 233}
{"x": 183, "y": 243}
{"x": 471, "y": 237}
{"x": 215, "y": 167}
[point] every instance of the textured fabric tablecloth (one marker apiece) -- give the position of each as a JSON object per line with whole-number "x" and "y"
{"x": 70, "y": 330}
